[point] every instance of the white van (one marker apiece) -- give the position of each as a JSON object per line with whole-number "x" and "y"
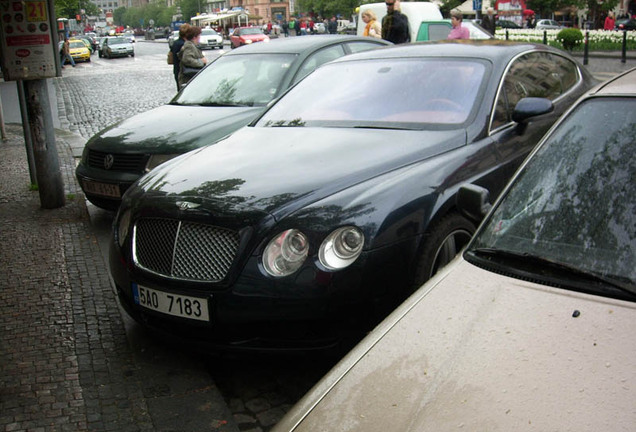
{"x": 415, "y": 11}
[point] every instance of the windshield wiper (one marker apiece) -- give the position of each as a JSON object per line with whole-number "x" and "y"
{"x": 539, "y": 265}
{"x": 223, "y": 104}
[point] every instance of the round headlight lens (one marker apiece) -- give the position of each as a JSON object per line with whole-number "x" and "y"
{"x": 122, "y": 228}
{"x": 341, "y": 248}
{"x": 285, "y": 253}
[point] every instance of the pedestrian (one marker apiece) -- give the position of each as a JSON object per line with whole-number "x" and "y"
{"x": 610, "y": 22}
{"x": 66, "y": 53}
{"x": 292, "y": 26}
{"x": 191, "y": 58}
{"x": 395, "y": 25}
{"x": 175, "y": 48}
{"x": 488, "y": 21}
{"x": 458, "y": 31}
{"x": 303, "y": 27}
{"x": 530, "y": 23}
{"x": 285, "y": 26}
{"x": 333, "y": 25}
{"x": 372, "y": 28}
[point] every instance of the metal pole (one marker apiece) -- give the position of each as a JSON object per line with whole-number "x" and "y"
{"x": 49, "y": 175}
{"x": 586, "y": 50}
{"x": 545, "y": 37}
{"x": 624, "y": 53}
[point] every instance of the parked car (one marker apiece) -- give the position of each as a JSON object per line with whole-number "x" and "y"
{"x": 507, "y": 24}
{"x": 247, "y": 35}
{"x": 306, "y": 227}
{"x": 78, "y": 50}
{"x": 548, "y": 24}
{"x": 210, "y": 39}
{"x": 531, "y": 328}
{"x": 226, "y": 95}
{"x": 117, "y": 46}
{"x": 626, "y": 24}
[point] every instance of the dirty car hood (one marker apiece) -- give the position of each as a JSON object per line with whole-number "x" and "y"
{"x": 480, "y": 351}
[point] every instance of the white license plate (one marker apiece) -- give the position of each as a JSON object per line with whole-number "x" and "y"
{"x": 195, "y": 308}
{"x": 103, "y": 189}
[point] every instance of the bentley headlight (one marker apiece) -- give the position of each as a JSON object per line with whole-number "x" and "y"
{"x": 158, "y": 159}
{"x": 123, "y": 227}
{"x": 285, "y": 253}
{"x": 341, "y": 248}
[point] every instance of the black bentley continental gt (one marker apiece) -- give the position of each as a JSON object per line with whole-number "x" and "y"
{"x": 303, "y": 229}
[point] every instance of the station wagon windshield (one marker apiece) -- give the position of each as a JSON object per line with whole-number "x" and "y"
{"x": 574, "y": 205}
{"x": 403, "y": 93}
{"x": 237, "y": 80}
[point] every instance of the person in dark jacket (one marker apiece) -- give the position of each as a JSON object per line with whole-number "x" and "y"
{"x": 395, "y": 25}
{"x": 175, "y": 48}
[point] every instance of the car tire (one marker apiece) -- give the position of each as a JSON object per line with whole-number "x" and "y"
{"x": 88, "y": 60}
{"x": 99, "y": 53}
{"x": 132, "y": 55}
{"x": 444, "y": 241}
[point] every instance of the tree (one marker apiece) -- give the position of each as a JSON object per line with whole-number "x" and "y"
{"x": 189, "y": 8}
{"x": 71, "y": 8}
{"x": 328, "y": 8}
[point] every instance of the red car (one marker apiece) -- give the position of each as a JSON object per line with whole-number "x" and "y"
{"x": 247, "y": 35}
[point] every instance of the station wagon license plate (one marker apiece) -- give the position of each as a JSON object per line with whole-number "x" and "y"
{"x": 103, "y": 189}
{"x": 195, "y": 308}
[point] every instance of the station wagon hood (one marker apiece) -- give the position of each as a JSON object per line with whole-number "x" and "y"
{"x": 481, "y": 351}
{"x": 172, "y": 129}
{"x": 269, "y": 168}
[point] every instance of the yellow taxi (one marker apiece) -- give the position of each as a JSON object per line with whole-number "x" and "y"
{"x": 79, "y": 51}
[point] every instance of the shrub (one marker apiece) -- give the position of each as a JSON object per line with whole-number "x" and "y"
{"x": 570, "y": 38}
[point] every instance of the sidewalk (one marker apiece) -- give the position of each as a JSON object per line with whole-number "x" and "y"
{"x": 65, "y": 361}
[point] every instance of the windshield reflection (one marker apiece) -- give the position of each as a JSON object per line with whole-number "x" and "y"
{"x": 575, "y": 202}
{"x": 398, "y": 92}
{"x": 237, "y": 80}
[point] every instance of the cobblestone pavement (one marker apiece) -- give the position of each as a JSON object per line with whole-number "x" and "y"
{"x": 64, "y": 361}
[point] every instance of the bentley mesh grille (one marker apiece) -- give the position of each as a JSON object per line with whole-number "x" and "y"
{"x": 184, "y": 250}
{"x": 120, "y": 162}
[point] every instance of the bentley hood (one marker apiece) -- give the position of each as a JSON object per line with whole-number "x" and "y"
{"x": 266, "y": 169}
{"x": 172, "y": 129}
{"x": 477, "y": 351}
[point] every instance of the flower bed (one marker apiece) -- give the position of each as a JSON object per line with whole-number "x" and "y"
{"x": 600, "y": 40}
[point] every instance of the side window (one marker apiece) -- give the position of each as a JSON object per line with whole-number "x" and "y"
{"x": 533, "y": 75}
{"x": 318, "y": 58}
{"x": 438, "y": 31}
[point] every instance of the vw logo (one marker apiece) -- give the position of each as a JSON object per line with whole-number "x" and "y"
{"x": 109, "y": 160}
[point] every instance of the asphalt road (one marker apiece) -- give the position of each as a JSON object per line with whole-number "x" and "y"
{"x": 258, "y": 390}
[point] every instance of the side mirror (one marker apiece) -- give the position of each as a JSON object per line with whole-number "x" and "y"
{"x": 531, "y": 107}
{"x": 473, "y": 201}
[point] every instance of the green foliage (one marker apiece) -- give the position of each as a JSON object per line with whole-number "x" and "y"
{"x": 328, "y": 8}
{"x": 70, "y": 8}
{"x": 570, "y": 38}
{"x": 141, "y": 16}
{"x": 189, "y": 8}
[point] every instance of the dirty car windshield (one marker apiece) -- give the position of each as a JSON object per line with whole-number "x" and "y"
{"x": 575, "y": 202}
{"x": 403, "y": 93}
{"x": 241, "y": 80}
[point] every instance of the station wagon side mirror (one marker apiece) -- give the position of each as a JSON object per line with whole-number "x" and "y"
{"x": 531, "y": 107}
{"x": 473, "y": 201}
